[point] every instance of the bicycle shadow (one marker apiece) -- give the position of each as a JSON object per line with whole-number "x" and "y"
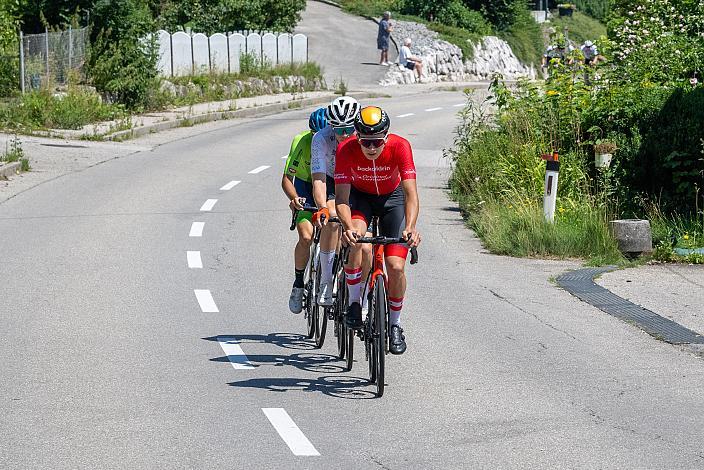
{"x": 320, "y": 363}
{"x": 308, "y": 360}
{"x": 284, "y": 340}
{"x": 349, "y": 388}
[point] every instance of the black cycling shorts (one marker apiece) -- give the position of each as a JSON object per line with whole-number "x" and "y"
{"x": 390, "y": 208}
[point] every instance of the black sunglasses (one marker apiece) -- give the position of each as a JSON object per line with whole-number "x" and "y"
{"x": 369, "y": 143}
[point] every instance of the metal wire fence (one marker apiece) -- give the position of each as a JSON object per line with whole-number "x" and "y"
{"x": 48, "y": 59}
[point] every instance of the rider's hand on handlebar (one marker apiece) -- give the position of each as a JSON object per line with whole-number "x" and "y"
{"x": 349, "y": 237}
{"x": 296, "y": 204}
{"x": 412, "y": 235}
{"x": 321, "y": 217}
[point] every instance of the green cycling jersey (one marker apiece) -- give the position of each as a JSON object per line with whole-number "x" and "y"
{"x": 298, "y": 162}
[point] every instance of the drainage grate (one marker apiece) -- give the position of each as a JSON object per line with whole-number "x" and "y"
{"x": 580, "y": 283}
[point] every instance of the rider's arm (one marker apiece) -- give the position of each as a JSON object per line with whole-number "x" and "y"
{"x": 318, "y": 169}
{"x": 288, "y": 187}
{"x": 319, "y": 189}
{"x": 410, "y": 190}
{"x": 342, "y": 205}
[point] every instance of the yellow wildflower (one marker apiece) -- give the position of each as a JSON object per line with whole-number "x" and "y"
{"x": 562, "y": 209}
{"x": 552, "y": 93}
{"x": 686, "y": 236}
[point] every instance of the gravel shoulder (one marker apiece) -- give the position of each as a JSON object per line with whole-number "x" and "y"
{"x": 670, "y": 290}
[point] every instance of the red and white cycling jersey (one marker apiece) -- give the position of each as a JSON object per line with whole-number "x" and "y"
{"x": 379, "y": 176}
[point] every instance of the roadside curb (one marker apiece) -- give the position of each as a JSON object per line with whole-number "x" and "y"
{"x": 9, "y": 169}
{"x": 580, "y": 283}
{"x": 255, "y": 111}
{"x": 213, "y": 116}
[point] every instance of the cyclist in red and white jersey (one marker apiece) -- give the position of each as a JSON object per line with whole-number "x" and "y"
{"x": 375, "y": 176}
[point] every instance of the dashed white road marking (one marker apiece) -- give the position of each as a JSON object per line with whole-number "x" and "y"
{"x": 205, "y": 300}
{"x": 197, "y": 229}
{"x": 430, "y": 110}
{"x": 234, "y": 352}
{"x": 458, "y": 105}
{"x": 405, "y": 115}
{"x": 258, "y": 169}
{"x": 229, "y": 185}
{"x": 193, "y": 258}
{"x": 208, "y": 205}
{"x": 289, "y": 432}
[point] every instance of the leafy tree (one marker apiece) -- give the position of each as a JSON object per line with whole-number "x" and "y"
{"x": 9, "y": 74}
{"x": 123, "y": 60}
{"x": 500, "y": 13}
{"x": 38, "y": 13}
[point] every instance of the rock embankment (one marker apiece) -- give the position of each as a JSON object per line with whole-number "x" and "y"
{"x": 444, "y": 62}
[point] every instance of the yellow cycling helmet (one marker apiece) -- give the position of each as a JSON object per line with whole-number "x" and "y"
{"x": 372, "y": 120}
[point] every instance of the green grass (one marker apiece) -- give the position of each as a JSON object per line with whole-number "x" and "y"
{"x": 522, "y": 231}
{"x": 580, "y": 27}
{"x": 42, "y": 110}
{"x": 526, "y": 40}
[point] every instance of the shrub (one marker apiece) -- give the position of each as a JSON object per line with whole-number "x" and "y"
{"x": 217, "y": 16}
{"x": 457, "y": 15}
{"x": 9, "y": 64}
{"x": 122, "y": 62}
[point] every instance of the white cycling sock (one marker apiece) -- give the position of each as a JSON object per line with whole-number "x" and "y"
{"x": 354, "y": 284}
{"x": 395, "y": 306}
{"x": 327, "y": 258}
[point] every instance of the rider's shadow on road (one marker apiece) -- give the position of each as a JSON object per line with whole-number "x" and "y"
{"x": 336, "y": 386}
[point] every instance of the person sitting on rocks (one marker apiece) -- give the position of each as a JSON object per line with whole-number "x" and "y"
{"x": 382, "y": 38}
{"x": 411, "y": 62}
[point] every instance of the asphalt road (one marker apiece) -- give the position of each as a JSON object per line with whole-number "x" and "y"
{"x": 110, "y": 361}
{"x": 343, "y": 45}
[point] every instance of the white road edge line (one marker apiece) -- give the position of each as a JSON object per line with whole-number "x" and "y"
{"x": 234, "y": 352}
{"x": 284, "y": 157}
{"x": 194, "y": 261}
{"x": 459, "y": 105}
{"x": 205, "y": 300}
{"x": 197, "y": 229}
{"x": 230, "y": 185}
{"x": 430, "y": 110}
{"x": 405, "y": 115}
{"x": 259, "y": 169}
{"x": 289, "y": 432}
{"x": 208, "y": 205}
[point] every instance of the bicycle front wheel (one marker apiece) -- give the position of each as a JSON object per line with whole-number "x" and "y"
{"x": 339, "y": 315}
{"x": 311, "y": 291}
{"x": 379, "y": 333}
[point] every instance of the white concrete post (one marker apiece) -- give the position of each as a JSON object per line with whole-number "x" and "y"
{"x": 22, "y": 62}
{"x": 552, "y": 171}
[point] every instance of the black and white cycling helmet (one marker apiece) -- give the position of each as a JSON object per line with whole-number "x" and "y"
{"x": 342, "y": 111}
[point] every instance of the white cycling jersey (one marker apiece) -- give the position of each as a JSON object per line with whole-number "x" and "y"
{"x": 322, "y": 152}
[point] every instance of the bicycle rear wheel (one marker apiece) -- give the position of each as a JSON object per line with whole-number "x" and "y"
{"x": 379, "y": 336}
{"x": 338, "y": 315}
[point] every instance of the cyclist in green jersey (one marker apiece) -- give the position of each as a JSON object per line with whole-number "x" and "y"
{"x": 297, "y": 185}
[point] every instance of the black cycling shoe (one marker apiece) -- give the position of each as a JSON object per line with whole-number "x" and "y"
{"x": 397, "y": 342}
{"x": 353, "y": 317}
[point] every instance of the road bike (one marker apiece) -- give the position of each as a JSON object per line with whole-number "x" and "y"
{"x": 374, "y": 331}
{"x": 316, "y": 315}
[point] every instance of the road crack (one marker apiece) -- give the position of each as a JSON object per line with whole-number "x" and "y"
{"x": 504, "y": 299}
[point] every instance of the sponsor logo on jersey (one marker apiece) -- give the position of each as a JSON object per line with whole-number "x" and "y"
{"x": 292, "y": 170}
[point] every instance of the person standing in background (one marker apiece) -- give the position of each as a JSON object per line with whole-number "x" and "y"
{"x": 383, "y": 37}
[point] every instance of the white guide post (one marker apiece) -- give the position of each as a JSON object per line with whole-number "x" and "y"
{"x": 552, "y": 171}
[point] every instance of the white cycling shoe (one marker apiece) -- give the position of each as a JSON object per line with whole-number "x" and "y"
{"x": 295, "y": 301}
{"x": 325, "y": 297}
